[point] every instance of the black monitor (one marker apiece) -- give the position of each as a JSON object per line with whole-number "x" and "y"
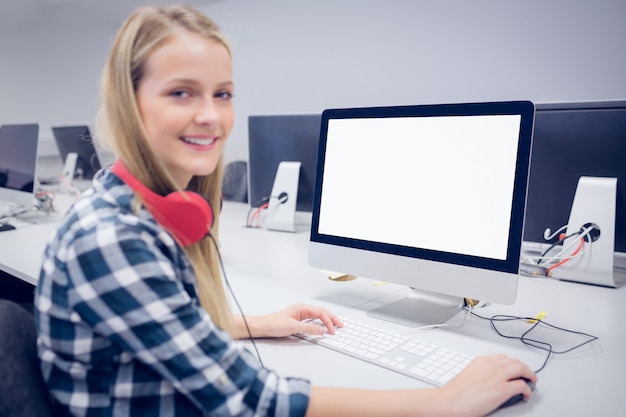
{"x": 18, "y": 161}
{"x": 273, "y": 139}
{"x": 78, "y": 139}
{"x": 573, "y": 140}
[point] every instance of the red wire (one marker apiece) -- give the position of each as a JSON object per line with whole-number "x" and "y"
{"x": 257, "y": 213}
{"x": 580, "y": 246}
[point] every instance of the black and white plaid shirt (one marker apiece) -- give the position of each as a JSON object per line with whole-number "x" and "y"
{"x": 121, "y": 330}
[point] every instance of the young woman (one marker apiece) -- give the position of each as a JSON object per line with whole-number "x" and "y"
{"x": 132, "y": 315}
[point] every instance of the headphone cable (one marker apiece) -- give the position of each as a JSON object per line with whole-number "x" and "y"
{"x": 243, "y": 316}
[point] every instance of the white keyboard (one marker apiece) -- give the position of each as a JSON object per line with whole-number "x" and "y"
{"x": 420, "y": 360}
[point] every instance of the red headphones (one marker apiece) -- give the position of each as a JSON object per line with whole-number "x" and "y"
{"x": 186, "y": 215}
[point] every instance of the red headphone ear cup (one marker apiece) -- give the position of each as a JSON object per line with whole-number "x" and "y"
{"x": 187, "y": 215}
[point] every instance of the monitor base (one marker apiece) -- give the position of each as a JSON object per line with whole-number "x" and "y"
{"x": 419, "y": 308}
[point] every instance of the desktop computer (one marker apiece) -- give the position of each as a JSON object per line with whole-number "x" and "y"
{"x": 576, "y": 144}
{"x": 429, "y": 196}
{"x": 282, "y": 166}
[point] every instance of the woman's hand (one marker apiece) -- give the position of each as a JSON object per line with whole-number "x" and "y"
{"x": 486, "y": 383}
{"x": 288, "y": 321}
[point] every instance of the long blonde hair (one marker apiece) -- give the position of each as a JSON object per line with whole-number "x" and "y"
{"x": 120, "y": 127}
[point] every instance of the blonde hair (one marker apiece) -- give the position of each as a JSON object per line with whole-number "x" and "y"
{"x": 120, "y": 126}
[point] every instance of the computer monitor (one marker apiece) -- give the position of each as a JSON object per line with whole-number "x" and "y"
{"x": 573, "y": 140}
{"x": 427, "y": 196}
{"x": 77, "y": 139}
{"x": 18, "y": 161}
{"x": 273, "y": 139}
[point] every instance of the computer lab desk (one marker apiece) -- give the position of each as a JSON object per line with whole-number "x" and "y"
{"x": 268, "y": 270}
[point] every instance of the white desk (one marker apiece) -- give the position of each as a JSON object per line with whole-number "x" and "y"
{"x": 21, "y": 249}
{"x": 268, "y": 270}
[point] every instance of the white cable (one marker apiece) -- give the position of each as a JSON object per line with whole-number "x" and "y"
{"x": 548, "y": 236}
{"x": 531, "y": 260}
{"x": 560, "y": 255}
{"x": 17, "y": 212}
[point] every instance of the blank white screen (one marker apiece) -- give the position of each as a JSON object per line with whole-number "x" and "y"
{"x": 441, "y": 183}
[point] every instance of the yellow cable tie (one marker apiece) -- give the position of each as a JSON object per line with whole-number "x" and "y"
{"x": 539, "y": 316}
{"x": 471, "y": 302}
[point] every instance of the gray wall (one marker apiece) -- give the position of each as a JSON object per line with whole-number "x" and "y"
{"x": 50, "y": 65}
{"x": 302, "y": 57}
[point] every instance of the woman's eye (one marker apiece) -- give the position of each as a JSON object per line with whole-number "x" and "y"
{"x": 225, "y": 95}
{"x": 180, "y": 93}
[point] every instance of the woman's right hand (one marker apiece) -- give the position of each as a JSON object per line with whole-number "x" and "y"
{"x": 486, "y": 383}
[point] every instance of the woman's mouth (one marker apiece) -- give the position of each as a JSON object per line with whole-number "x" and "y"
{"x": 199, "y": 141}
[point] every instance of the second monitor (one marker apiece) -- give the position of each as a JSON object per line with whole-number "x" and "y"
{"x": 273, "y": 139}
{"x": 77, "y": 139}
{"x": 18, "y": 162}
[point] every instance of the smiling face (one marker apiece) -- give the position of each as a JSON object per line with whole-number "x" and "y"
{"x": 185, "y": 101}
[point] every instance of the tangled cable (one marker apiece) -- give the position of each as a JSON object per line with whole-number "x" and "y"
{"x": 525, "y": 338}
{"x": 586, "y": 236}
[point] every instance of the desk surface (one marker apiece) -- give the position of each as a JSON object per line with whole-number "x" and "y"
{"x": 21, "y": 249}
{"x": 268, "y": 270}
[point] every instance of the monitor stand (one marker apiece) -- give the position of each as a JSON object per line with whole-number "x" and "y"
{"x": 69, "y": 169}
{"x": 281, "y": 210}
{"x": 420, "y": 308}
{"x": 594, "y": 204}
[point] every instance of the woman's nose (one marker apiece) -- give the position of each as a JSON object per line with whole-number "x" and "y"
{"x": 207, "y": 113}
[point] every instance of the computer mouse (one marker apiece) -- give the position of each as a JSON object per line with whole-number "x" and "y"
{"x": 518, "y": 397}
